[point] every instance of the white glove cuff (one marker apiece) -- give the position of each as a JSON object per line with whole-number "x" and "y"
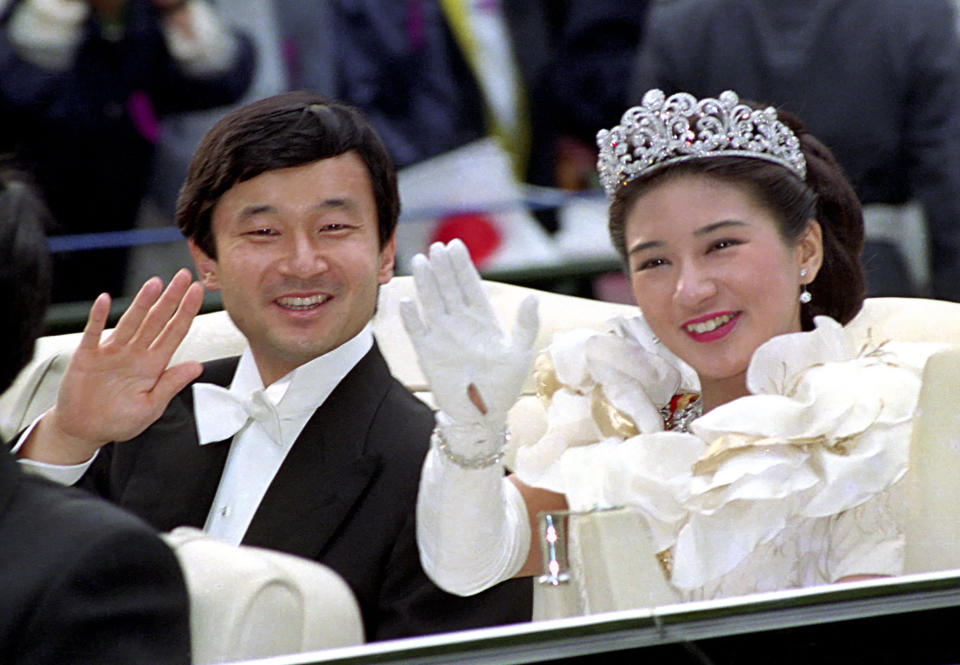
{"x": 473, "y": 445}
{"x": 472, "y": 525}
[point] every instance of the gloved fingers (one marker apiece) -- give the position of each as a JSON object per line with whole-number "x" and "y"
{"x": 428, "y": 290}
{"x": 468, "y": 280}
{"x": 414, "y": 325}
{"x": 447, "y": 286}
{"x": 527, "y": 325}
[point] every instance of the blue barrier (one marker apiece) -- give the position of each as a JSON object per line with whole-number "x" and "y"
{"x": 536, "y": 198}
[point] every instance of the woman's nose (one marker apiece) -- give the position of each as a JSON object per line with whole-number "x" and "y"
{"x": 694, "y": 285}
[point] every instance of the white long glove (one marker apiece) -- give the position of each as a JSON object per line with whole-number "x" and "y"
{"x": 472, "y": 526}
{"x": 460, "y": 344}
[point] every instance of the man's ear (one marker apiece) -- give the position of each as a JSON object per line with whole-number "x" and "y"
{"x": 206, "y": 267}
{"x": 388, "y": 256}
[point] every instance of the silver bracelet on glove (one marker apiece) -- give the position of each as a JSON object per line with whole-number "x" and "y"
{"x": 479, "y": 462}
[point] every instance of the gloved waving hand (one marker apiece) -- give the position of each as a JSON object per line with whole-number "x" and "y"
{"x": 476, "y": 371}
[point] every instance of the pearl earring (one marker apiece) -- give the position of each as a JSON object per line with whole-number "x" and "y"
{"x": 805, "y": 296}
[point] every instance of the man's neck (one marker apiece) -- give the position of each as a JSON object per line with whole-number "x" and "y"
{"x": 271, "y": 370}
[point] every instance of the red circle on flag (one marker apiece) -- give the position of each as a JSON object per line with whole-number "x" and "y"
{"x": 477, "y": 231}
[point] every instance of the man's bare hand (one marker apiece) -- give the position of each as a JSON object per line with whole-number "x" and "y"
{"x": 116, "y": 387}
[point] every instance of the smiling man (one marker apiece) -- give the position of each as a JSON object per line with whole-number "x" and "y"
{"x": 305, "y": 443}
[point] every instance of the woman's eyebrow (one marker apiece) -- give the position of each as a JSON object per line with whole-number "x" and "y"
{"x": 710, "y": 228}
{"x": 643, "y": 246}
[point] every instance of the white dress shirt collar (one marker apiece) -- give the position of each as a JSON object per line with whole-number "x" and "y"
{"x": 293, "y": 397}
{"x": 261, "y": 440}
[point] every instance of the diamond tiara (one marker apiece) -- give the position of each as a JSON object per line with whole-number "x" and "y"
{"x": 665, "y": 130}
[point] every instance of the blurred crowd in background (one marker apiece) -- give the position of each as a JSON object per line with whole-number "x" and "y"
{"x": 488, "y": 107}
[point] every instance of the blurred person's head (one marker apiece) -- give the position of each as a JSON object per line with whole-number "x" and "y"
{"x": 25, "y": 273}
{"x": 286, "y": 130}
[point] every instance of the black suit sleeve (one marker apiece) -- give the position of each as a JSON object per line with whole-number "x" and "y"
{"x": 119, "y": 599}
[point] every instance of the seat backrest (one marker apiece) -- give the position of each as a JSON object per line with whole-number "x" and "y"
{"x": 249, "y": 602}
{"x": 905, "y": 320}
{"x": 932, "y": 489}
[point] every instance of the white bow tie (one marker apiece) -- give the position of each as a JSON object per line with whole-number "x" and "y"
{"x": 220, "y": 414}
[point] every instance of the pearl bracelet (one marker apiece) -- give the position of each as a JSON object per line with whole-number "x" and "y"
{"x": 478, "y": 462}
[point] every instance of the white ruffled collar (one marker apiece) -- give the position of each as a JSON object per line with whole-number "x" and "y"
{"x": 825, "y": 428}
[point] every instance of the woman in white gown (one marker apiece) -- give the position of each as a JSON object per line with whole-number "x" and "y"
{"x": 730, "y": 413}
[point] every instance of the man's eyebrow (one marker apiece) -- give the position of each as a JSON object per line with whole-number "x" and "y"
{"x": 255, "y": 209}
{"x": 334, "y": 202}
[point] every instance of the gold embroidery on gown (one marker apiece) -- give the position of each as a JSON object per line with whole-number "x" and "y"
{"x": 611, "y": 421}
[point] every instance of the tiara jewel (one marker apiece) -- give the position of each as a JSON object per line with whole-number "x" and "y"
{"x": 665, "y": 130}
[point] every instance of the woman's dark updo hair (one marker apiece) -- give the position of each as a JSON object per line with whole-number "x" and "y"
{"x": 826, "y": 196}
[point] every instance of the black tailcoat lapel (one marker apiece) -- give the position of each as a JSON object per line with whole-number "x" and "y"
{"x": 8, "y": 475}
{"x": 328, "y": 468}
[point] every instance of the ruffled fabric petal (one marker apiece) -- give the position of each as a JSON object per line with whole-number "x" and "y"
{"x": 612, "y": 382}
{"x": 570, "y": 424}
{"x": 649, "y": 473}
{"x": 710, "y": 546}
{"x": 569, "y": 359}
{"x": 826, "y": 430}
{"x": 636, "y": 328}
{"x": 635, "y": 381}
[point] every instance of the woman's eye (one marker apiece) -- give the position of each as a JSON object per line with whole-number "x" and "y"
{"x": 651, "y": 263}
{"x": 724, "y": 244}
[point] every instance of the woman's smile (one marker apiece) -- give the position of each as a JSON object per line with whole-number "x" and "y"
{"x": 711, "y": 327}
{"x": 712, "y": 276}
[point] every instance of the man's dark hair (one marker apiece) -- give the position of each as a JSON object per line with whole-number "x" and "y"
{"x": 25, "y": 273}
{"x": 283, "y": 131}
